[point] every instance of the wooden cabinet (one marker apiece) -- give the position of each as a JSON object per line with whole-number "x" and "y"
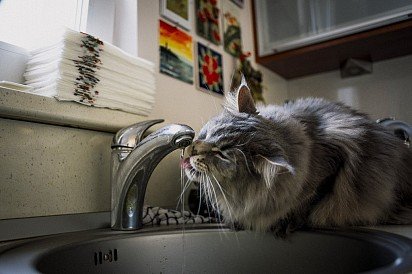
{"x": 375, "y": 40}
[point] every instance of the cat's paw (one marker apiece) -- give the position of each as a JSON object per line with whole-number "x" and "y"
{"x": 237, "y": 226}
{"x": 281, "y": 232}
{"x": 284, "y": 227}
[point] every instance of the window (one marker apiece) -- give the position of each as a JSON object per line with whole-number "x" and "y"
{"x": 31, "y": 24}
{"x": 36, "y": 23}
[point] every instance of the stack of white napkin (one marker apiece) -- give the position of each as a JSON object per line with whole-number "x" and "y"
{"x": 84, "y": 69}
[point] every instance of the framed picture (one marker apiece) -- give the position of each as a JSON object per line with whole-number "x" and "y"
{"x": 232, "y": 40}
{"x": 210, "y": 69}
{"x": 178, "y": 12}
{"x": 240, "y": 3}
{"x": 207, "y": 20}
{"x": 176, "y": 52}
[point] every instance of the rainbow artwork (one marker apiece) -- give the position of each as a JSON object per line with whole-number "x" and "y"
{"x": 176, "y": 52}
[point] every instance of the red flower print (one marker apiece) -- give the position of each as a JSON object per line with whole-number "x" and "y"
{"x": 216, "y": 36}
{"x": 209, "y": 69}
{"x": 207, "y": 13}
{"x": 201, "y": 16}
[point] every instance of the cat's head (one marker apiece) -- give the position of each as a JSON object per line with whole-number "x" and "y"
{"x": 236, "y": 146}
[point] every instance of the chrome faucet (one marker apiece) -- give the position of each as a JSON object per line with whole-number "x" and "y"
{"x": 133, "y": 160}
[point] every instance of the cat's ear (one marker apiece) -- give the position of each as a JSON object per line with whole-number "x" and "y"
{"x": 245, "y": 102}
{"x": 270, "y": 168}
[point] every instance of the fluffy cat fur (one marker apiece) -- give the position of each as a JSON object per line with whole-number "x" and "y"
{"x": 307, "y": 163}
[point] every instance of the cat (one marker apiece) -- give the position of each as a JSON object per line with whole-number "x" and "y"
{"x": 308, "y": 163}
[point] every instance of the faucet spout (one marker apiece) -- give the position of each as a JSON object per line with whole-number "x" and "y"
{"x": 132, "y": 168}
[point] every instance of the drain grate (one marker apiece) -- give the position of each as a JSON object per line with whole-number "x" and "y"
{"x": 110, "y": 256}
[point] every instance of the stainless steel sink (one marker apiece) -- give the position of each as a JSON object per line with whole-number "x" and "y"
{"x": 209, "y": 249}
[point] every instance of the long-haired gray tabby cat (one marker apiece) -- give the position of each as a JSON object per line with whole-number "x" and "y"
{"x": 308, "y": 163}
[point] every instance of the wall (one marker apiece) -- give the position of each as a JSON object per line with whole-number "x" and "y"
{"x": 190, "y": 105}
{"x": 387, "y": 92}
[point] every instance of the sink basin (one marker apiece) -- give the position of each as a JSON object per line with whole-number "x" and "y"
{"x": 209, "y": 249}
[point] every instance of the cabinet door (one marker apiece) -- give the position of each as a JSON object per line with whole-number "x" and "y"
{"x": 288, "y": 24}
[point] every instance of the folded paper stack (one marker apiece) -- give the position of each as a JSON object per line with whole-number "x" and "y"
{"x": 86, "y": 70}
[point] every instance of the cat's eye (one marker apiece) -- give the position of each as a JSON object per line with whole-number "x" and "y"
{"x": 222, "y": 156}
{"x": 218, "y": 152}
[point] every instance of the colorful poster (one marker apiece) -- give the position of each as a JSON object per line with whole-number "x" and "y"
{"x": 178, "y": 11}
{"x": 232, "y": 42}
{"x": 176, "y": 52}
{"x": 210, "y": 69}
{"x": 207, "y": 20}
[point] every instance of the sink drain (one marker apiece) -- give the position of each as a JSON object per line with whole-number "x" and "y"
{"x": 110, "y": 256}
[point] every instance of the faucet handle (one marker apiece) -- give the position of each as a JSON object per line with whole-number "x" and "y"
{"x": 131, "y": 136}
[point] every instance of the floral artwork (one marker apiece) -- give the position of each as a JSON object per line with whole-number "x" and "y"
{"x": 176, "y": 52}
{"x": 207, "y": 20}
{"x": 210, "y": 70}
{"x": 231, "y": 29}
{"x": 253, "y": 77}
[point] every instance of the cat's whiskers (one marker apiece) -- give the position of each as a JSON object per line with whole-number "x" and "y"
{"x": 193, "y": 172}
{"x": 215, "y": 202}
{"x": 182, "y": 192}
{"x": 212, "y": 199}
{"x": 200, "y": 197}
{"x": 229, "y": 209}
{"x": 206, "y": 191}
{"x": 203, "y": 190}
{"x": 217, "y": 208}
{"x": 210, "y": 194}
{"x": 224, "y": 192}
{"x": 187, "y": 184}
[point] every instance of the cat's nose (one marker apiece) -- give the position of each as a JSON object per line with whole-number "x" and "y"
{"x": 199, "y": 147}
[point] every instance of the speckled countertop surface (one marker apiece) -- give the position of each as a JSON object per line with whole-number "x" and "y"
{"x": 30, "y": 107}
